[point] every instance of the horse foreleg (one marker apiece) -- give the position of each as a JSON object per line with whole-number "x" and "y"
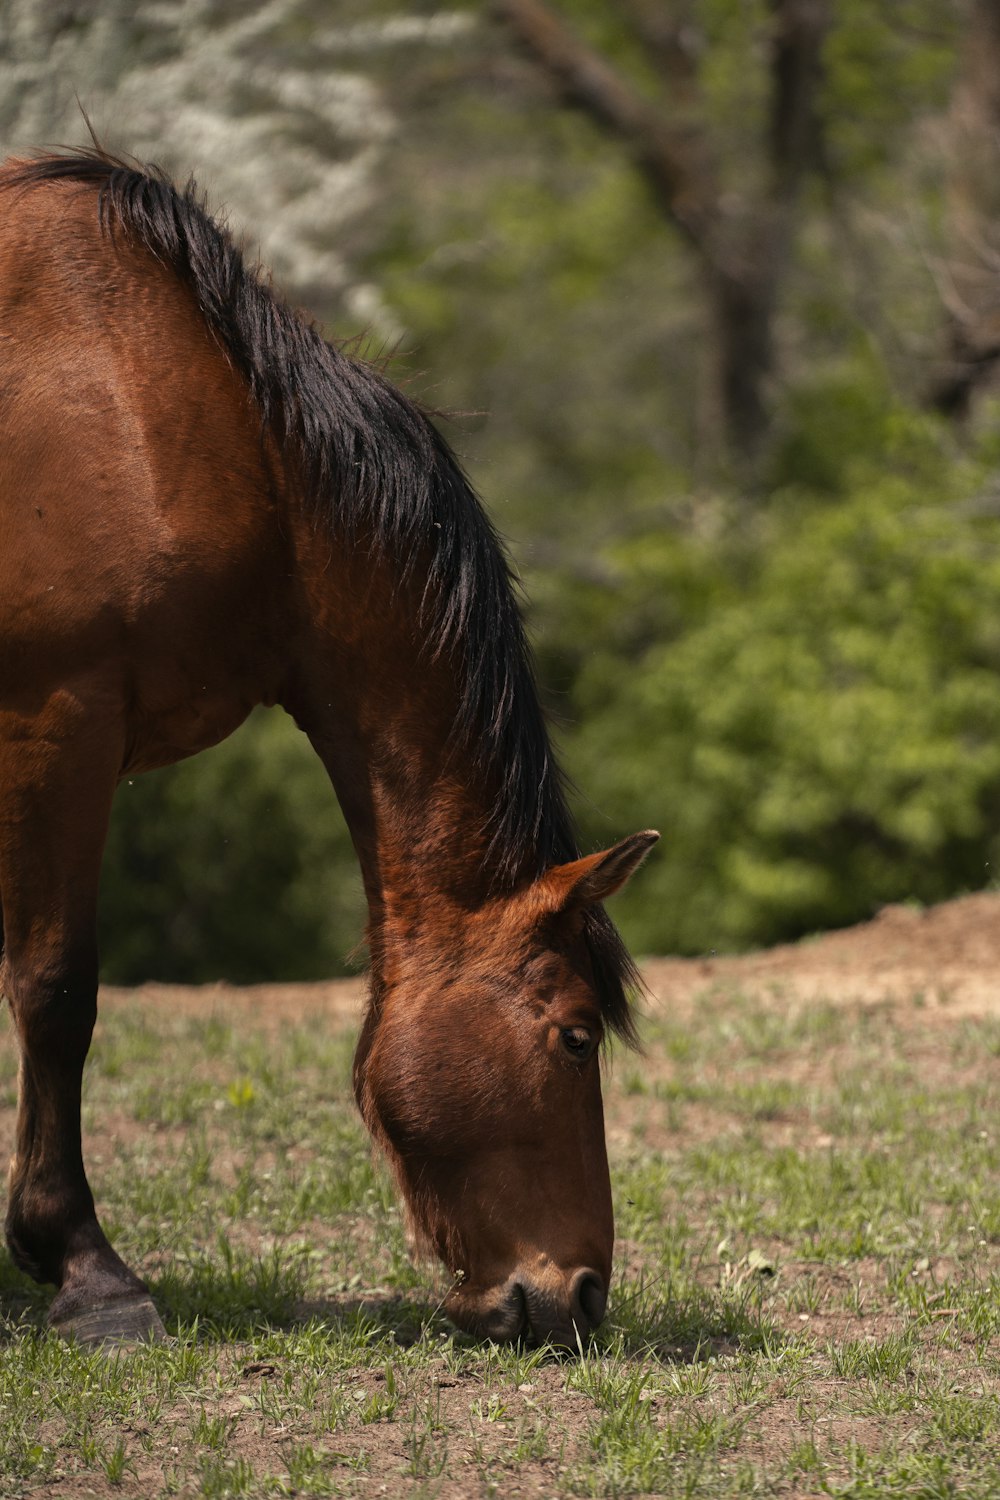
{"x": 55, "y": 800}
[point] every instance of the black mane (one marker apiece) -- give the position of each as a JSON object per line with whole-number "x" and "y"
{"x": 375, "y": 461}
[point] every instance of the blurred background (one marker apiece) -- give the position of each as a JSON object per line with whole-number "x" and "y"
{"x": 712, "y": 291}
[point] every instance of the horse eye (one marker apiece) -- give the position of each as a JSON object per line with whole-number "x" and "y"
{"x": 578, "y": 1042}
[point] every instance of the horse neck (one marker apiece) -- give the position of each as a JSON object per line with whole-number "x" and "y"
{"x": 380, "y": 710}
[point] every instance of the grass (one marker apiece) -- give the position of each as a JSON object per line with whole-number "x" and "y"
{"x": 807, "y": 1294}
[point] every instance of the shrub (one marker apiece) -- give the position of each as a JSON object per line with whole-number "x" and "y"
{"x": 827, "y": 738}
{"x": 234, "y": 864}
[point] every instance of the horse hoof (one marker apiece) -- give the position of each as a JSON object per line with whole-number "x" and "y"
{"x": 128, "y": 1320}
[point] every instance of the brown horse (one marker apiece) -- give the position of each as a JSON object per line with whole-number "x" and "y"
{"x": 204, "y": 506}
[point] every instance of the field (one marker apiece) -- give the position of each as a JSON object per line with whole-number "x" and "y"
{"x": 807, "y": 1293}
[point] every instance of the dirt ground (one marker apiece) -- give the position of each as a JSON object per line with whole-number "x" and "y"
{"x": 929, "y": 966}
{"x": 948, "y": 955}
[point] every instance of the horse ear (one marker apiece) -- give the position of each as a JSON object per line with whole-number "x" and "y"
{"x": 589, "y": 881}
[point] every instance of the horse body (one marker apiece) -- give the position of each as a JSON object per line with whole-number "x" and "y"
{"x": 168, "y": 435}
{"x": 113, "y": 430}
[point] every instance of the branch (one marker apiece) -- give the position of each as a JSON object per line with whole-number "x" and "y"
{"x": 674, "y": 162}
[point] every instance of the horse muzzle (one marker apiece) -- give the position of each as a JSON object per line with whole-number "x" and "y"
{"x": 562, "y": 1311}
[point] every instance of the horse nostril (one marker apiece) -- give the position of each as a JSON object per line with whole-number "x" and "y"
{"x": 588, "y": 1300}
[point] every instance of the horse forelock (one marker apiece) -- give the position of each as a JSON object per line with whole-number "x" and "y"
{"x": 372, "y": 462}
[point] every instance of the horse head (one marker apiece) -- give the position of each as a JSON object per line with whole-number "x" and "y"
{"x": 478, "y": 1072}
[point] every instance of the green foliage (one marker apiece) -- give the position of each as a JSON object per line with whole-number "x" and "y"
{"x": 234, "y": 865}
{"x": 882, "y": 69}
{"x": 827, "y": 737}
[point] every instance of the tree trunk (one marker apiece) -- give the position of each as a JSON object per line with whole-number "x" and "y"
{"x": 970, "y": 285}
{"x": 742, "y": 312}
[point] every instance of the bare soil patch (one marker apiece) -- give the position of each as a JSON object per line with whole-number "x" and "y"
{"x": 270, "y": 1005}
{"x": 946, "y": 956}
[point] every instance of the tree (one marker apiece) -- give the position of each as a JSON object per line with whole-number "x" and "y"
{"x": 741, "y": 240}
